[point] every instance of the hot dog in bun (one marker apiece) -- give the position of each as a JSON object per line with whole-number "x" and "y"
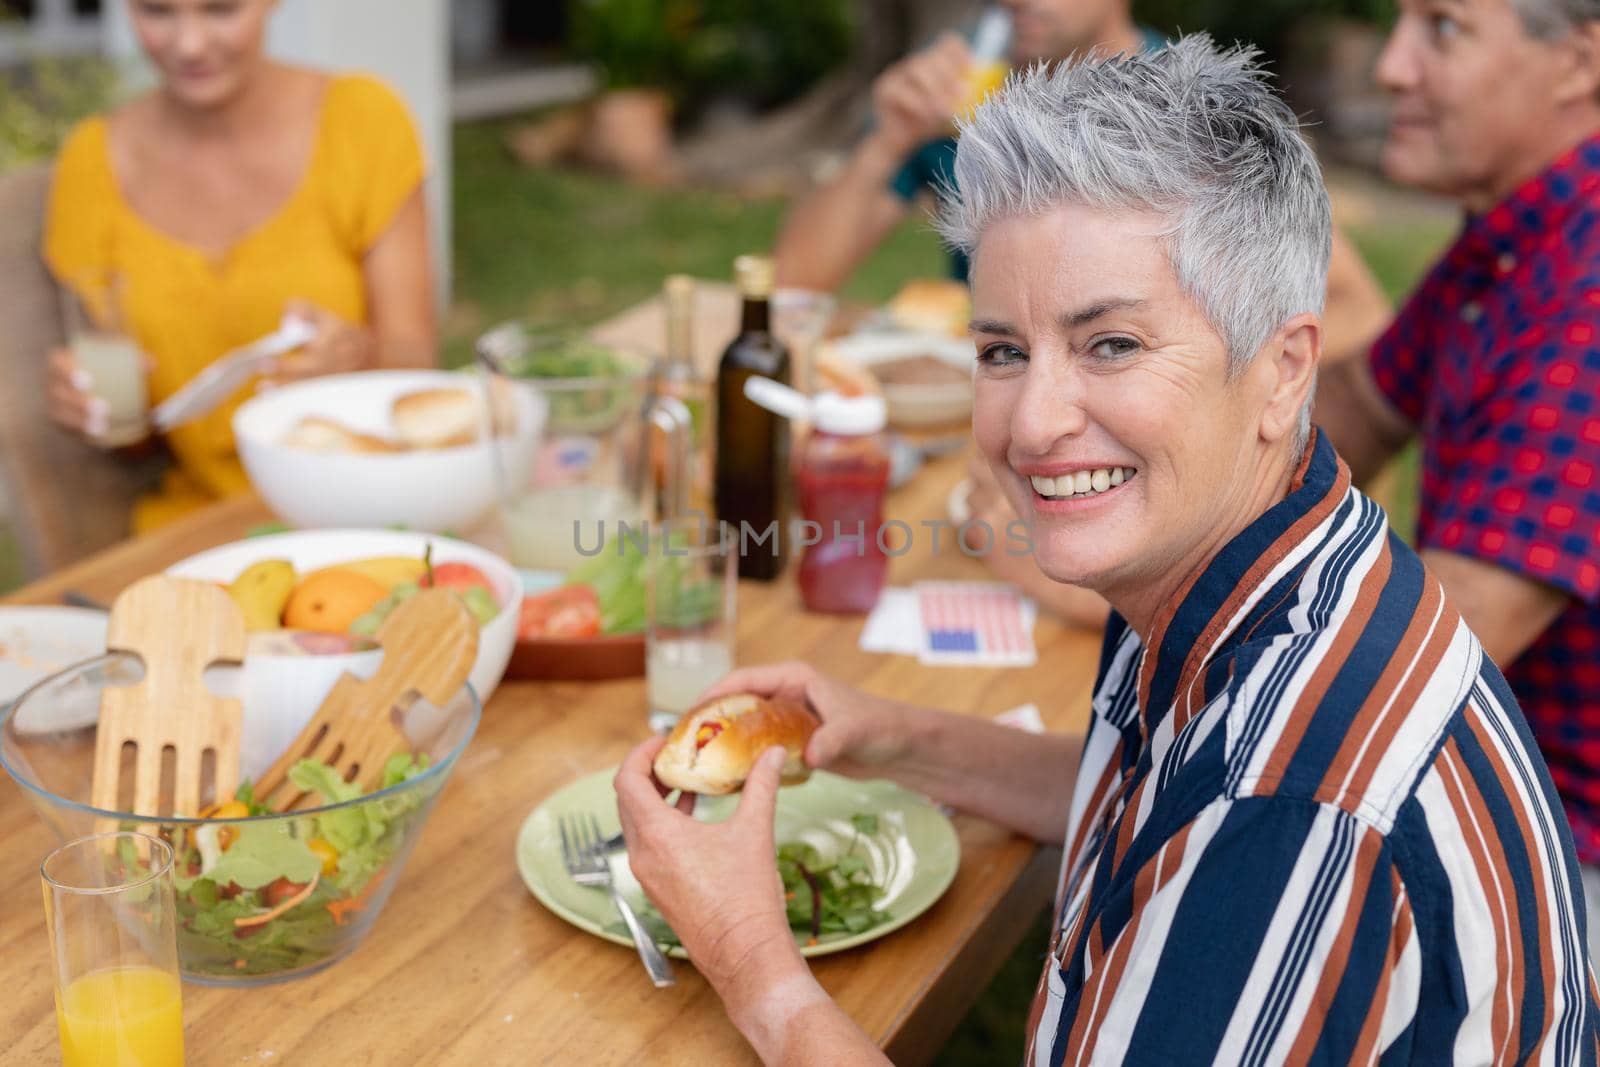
{"x": 713, "y": 747}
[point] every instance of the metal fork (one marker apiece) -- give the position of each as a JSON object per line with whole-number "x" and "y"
{"x": 583, "y": 851}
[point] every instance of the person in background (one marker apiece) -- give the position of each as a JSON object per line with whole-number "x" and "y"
{"x": 1493, "y": 364}
{"x": 1307, "y": 823}
{"x": 237, "y": 190}
{"x": 908, "y": 154}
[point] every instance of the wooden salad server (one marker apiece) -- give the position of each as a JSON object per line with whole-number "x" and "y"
{"x": 429, "y": 643}
{"x": 178, "y": 627}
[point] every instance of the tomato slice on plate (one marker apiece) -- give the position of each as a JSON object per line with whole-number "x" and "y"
{"x": 566, "y": 611}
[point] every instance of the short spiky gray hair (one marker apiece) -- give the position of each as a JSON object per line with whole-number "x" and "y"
{"x": 1188, "y": 131}
{"x": 1549, "y": 20}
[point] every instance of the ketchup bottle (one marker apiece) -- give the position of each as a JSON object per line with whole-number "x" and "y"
{"x": 842, "y": 477}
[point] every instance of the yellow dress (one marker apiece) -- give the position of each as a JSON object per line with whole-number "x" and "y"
{"x": 187, "y": 308}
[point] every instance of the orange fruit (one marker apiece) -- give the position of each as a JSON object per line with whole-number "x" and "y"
{"x": 330, "y": 600}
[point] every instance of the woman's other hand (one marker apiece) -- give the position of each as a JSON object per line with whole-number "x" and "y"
{"x": 339, "y": 347}
{"x": 859, "y": 732}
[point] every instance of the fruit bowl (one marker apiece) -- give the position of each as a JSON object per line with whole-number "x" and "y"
{"x": 311, "y": 550}
{"x": 263, "y": 898}
{"x": 434, "y": 489}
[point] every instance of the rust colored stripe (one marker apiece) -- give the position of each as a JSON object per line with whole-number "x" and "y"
{"x": 1350, "y": 631}
{"x": 1453, "y": 773}
{"x": 1101, "y": 990}
{"x": 1092, "y": 813}
{"x": 1539, "y": 874}
{"x": 1515, "y": 977}
{"x": 1398, "y": 687}
{"x": 1333, "y": 967}
{"x": 1252, "y": 578}
{"x": 1366, "y": 1050}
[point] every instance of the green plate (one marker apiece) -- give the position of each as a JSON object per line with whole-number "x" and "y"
{"x": 914, "y": 855}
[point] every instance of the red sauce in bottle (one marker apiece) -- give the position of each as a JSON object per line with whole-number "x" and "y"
{"x": 841, "y": 482}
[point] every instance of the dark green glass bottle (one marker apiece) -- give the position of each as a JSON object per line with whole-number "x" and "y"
{"x": 752, "y": 484}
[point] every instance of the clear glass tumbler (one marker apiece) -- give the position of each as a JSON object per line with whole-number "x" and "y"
{"x": 107, "y": 353}
{"x": 692, "y": 594}
{"x": 113, "y": 942}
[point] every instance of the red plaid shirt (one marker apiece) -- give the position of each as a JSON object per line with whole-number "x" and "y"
{"x": 1496, "y": 359}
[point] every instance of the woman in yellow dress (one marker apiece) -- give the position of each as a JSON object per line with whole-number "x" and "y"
{"x": 237, "y": 190}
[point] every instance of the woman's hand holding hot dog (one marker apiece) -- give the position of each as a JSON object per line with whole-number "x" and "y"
{"x": 717, "y": 886}
{"x": 717, "y": 883}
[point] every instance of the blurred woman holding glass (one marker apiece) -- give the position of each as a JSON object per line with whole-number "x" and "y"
{"x": 191, "y": 220}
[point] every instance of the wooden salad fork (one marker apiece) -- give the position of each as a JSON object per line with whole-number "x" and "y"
{"x": 177, "y": 627}
{"x": 429, "y": 642}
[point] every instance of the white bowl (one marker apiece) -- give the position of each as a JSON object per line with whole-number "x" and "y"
{"x": 912, "y": 406}
{"x": 309, "y": 550}
{"x": 426, "y": 489}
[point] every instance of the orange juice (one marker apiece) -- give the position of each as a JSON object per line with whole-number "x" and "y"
{"x": 121, "y": 1017}
{"x": 983, "y": 79}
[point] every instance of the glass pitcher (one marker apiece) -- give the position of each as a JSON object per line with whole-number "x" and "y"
{"x": 594, "y": 473}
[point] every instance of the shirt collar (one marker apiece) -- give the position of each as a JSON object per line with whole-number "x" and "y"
{"x": 1201, "y": 615}
{"x": 1518, "y": 224}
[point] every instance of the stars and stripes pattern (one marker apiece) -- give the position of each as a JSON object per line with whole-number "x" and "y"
{"x": 1310, "y": 825}
{"x": 983, "y": 623}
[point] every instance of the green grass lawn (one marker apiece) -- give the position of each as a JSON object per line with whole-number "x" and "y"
{"x": 575, "y": 247}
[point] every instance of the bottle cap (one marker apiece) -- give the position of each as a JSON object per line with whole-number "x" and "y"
{"x": 849, "y": 416}
{"x": 678, "y": 287}
{"x": 835, "y": 413}
{"x": 754, "y": 276}
{"x": 992, "y": 37}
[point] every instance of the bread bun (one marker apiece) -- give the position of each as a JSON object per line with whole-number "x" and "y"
{"x": 314, "y": 433}
{"x": 929, "y": 306}
{"x": 436, "y": 418}
{"x": 842, "y": 375}
{"x": 713, "y": 747}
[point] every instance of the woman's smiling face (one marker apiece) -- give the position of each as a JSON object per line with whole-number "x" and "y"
{"x": 1105, "y": 407}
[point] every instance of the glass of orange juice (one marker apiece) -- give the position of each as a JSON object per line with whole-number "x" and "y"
{"x": 113, "y": 941}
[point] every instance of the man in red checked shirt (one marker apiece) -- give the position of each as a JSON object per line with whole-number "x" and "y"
{"x": 1495, "y": 360}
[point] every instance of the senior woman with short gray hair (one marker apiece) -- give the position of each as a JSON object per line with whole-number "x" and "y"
{"x": 1307, "y": 822}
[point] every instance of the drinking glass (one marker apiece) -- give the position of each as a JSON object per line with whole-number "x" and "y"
{"x": 106, "y": 351}
{"x": 800, "y": 318}
{"x": 113, "y": 942}
{"x": 691, "y": 594}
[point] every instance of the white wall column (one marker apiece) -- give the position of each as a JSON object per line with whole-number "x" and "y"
{"x": 405, "y": 42}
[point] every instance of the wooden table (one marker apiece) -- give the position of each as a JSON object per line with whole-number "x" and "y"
{"x": 465, "y": 967}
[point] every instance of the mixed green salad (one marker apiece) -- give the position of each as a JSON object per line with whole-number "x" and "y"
{"x": 835, "y": 897}
{"x": 268, "y": 896}
{"x": 823, "y": 896}
{"x": 613, "y": 391}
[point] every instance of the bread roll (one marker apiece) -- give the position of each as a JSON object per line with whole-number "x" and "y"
{"x": 436, "y": 418}
{"x": 842, "y": 375}
{"x": 928, "y": 306}
{"x": 713, "y": 747}
{"x": 313, "y": 433}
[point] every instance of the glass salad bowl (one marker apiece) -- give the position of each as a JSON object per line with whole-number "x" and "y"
{"x": 260, "y": 897}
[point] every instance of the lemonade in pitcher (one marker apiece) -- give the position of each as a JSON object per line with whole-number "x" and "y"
{"x": 121, "y": 1017}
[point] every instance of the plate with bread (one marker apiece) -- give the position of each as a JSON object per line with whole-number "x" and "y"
{"x": 915, "y": 353}
{"x": 873, "y": 855}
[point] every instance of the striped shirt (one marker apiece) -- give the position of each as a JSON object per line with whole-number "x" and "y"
{"x": 1310, "y": 825}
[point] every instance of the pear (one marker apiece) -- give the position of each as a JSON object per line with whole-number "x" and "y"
{"x": 261, "y": 591}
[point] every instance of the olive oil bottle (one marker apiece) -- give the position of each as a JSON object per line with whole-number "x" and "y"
{"x": 752, "y": 484}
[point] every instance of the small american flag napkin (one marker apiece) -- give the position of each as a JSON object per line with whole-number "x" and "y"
{"x": 986, "y": 624}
